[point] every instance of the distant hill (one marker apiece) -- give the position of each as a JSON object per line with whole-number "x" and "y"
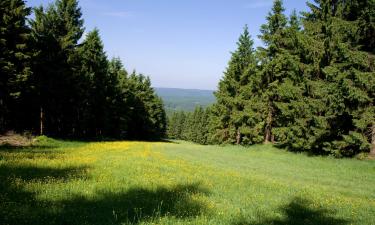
{"x": 185, "y": 99}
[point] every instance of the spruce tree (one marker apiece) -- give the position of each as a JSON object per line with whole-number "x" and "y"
{"x": 95, "y": 70}
{"x": 180, "y": 124}
{"x": 347, "y": 77}
{"x": 274, "y": 64}
{"x": 228, "y": 111}
{"x": 172, "y": 126}
{"x": 55, "y": 34}
{"x": 148, "y": 118}
{"x": 118, "y": 99}
{"x": 14, "y": 61}
{"x": 289, "y": 90}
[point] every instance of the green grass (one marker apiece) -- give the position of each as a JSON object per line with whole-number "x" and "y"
{"x": 180, "y": 183}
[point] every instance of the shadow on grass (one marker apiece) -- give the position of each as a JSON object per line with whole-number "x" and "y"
{"x": 133, "y": 206}
{"x": 24, "y": 153}
{"x": 298, "y": 212}
{"x": 21, "y": 204}
{"x": 9, "y": 147}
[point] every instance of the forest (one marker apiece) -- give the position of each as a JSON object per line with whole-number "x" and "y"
{"x": 58, "y": 83}
{"x": 309, "y": 87}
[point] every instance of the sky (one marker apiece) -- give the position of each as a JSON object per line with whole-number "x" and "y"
{"x": 177, "y": 43}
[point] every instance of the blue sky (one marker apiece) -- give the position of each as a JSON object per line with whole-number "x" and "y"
{"x": 182, "y": 44}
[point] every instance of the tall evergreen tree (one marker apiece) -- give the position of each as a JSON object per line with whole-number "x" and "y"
{"x": 177, "y": 125}
{"x": 346, "y": 77}
{"x": 274, "y": 64}
{"x": 147, "y": 110}
{"x": 172, "y": 126}
{"x": 14, "y": 60}
{"x": 228, "y": 117}
{"x": 55, "y": 33}
{"x": 288, "y": 87}
{"x": 97, "y": 83}
{"x": 118, "y": 96}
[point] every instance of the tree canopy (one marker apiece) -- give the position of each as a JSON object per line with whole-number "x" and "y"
{"x": 67, "y": 87}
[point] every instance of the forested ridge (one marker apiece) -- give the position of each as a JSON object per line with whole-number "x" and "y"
{"x": 54, "y": 83}
{"x": 309, "y": 88}
{"x": 176, "y": 99}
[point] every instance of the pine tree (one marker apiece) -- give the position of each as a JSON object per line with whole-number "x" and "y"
{"x": 148, "y": 118}
{"x": 228, "y": 117}
{"x": 118, "y": 100}
{"x": 201, "y": 129}
{"x": 347, "y": 74}
{"x": 55, "y": 34}
{"x": 289, "y": 87}
{"x": 180, "y": 124}
{"x": 274, "y": 64}
{"x": 172, "y": 126}
{"x": 14, "y": 60}
{"x": 95, "y": 70}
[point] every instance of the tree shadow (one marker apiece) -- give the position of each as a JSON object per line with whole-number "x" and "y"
{"x": 11, "y": 147}
{"x": 20, "y": 203}
{"x": 14, "y": 154}
{"x": 299, "y": 212}
{"x": 133, "y": 206}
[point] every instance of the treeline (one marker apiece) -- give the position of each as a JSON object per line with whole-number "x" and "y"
{"x": 189, "y": 126}
{"x": 309, "y": 88}
{"x": 55, "y": 84}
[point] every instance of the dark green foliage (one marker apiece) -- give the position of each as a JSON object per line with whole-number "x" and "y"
{"x": 97, "y": 85}
{"x": 73, "y": 90}
{"x": 176, "y": 125}
{"x": 14, "y": 60}
{"x": 340, "y": 91}
{"x": 148, "y": 118}
{"x": 311, "y": 87}
{"x": 229, "y": 116}
{"x": 55, "y": 34}
{"x": 190, "y": 126}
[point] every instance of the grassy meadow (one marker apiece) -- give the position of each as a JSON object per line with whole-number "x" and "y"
{"x": 60, "y": 182}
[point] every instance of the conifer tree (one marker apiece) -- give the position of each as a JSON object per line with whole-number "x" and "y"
{"x": 289, "y": 87}
{"x": 14, "y": 60}
{"x": 172, "y": 126}
{"x": 180, "y": 124}
{"x": 227, "y": 112}
{"x": 97, "y": 81}
{"x": 55, "y": 34}
{"x": 119, "y": 96}
{"x": 273, "y": 64}
{"x": 148, "y": 118}
{"x": 347, "y": 75}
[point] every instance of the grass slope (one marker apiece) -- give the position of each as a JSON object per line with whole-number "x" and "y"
{"x": 180, "y": 183}
{"x": 185, "y": 99}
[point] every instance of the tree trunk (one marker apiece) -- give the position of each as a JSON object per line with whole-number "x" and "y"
{"x": 238, "y": 138}
{"x": 372, "y": 152}
{"x": 268, "y": 137}
{"x": 41, "y": 121}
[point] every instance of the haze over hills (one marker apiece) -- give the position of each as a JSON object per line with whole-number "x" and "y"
{"x": 185, "y": 99}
